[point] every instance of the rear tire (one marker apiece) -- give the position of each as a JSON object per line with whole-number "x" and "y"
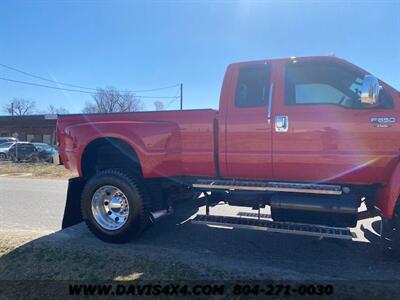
{"x": 115, "y": 206}
{"x": 3, "y": 156}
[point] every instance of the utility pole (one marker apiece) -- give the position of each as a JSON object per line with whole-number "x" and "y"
{"x": 181, "y": 96}
{"x": 12, "y": 108}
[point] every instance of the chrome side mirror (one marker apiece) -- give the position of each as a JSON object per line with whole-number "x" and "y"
{"x": 370, "y": 90}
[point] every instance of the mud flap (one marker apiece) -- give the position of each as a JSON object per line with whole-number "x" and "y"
{"x": 72, "y": 211}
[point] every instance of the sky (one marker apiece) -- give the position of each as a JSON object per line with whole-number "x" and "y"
{"x": 134, "y": 45}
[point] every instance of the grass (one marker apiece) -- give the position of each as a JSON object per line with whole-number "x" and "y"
{"x": 22, "y": 259}
{"x": 25, "y": 265}
{"x": 39, "y": 170}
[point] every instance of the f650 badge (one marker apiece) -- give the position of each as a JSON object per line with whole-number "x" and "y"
{"x": 383, "y": 121}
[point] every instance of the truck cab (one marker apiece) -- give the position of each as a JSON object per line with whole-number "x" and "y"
{"x": 301, "y": 119}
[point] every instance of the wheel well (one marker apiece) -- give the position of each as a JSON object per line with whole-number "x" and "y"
{"x": 109, "y": 153}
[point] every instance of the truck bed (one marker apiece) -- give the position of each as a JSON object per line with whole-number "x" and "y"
{"x": 167, "y": 143}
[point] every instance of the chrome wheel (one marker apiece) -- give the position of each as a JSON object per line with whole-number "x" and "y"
{"x": 110, "y": 207}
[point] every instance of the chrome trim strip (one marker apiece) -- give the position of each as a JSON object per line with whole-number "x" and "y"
{"x": 271, "y": 88}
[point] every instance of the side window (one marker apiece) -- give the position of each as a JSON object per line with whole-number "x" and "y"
{"x": 323, "y": 83}
{"x": 252, "y": 86}
{"x": 318, "y": 93}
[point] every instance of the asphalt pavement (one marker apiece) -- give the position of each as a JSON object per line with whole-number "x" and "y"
{"x": 32, "y": 204}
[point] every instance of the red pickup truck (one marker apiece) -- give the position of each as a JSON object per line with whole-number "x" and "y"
{"x": 313, "y": 138}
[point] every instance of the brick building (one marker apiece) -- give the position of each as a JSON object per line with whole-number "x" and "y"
{"x": 35, "y": 128}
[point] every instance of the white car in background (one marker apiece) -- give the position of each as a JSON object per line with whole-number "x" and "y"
{"x": 4, "y": 147}
{"x": 5, "y": 139}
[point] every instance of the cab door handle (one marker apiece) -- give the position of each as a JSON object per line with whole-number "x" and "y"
{"x": 281, "y": 123}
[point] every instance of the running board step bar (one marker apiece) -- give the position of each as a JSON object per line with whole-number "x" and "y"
{"x": 253, "y": 215}
{"x": 269, "y": 186}
{"x": 273, "y": 226}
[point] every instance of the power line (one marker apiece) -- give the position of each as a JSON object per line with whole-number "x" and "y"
{"x": 45, "y": 86}
{"x": 80, "y": 86}
{"x": 173, "y": 98}
{"x": 45, "y": 79}
{"x": 156, "y": 89}
{"x": 71, "y": 90}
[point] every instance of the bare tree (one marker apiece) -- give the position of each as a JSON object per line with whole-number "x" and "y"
{"x": 20, "y": 107}
{"x": 159, "y": 105}
{"x": 51, "y": 109}
{"x": 111, "y": 100}
{"x": 90, "y": 108}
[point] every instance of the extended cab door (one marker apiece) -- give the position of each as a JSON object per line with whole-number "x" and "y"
{"x": 322, "y": 132}
{"x": 247, "y": 129}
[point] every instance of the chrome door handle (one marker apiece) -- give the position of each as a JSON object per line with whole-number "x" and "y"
{"x": 281, "y": 123}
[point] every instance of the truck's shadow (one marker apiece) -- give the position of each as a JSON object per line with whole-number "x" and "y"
{"x": 249, "y": 254}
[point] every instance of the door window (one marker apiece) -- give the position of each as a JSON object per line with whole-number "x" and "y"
{"x": 318, "y": 93}
{"x": 325, "y": 83}
{"x": 252, "y": 86}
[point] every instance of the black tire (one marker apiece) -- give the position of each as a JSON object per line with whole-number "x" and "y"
{"x": 3, "y": 156}
{"x": 138, "y": 199}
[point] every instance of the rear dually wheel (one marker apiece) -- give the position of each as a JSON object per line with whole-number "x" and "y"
{"x": 115, "y": 206}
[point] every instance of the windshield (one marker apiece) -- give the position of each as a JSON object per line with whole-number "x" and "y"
{"x": 43, "y": 147}
{"x": 40, "y": 147}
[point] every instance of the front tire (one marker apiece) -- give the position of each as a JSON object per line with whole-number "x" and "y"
{"x": 115, "y": 206}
